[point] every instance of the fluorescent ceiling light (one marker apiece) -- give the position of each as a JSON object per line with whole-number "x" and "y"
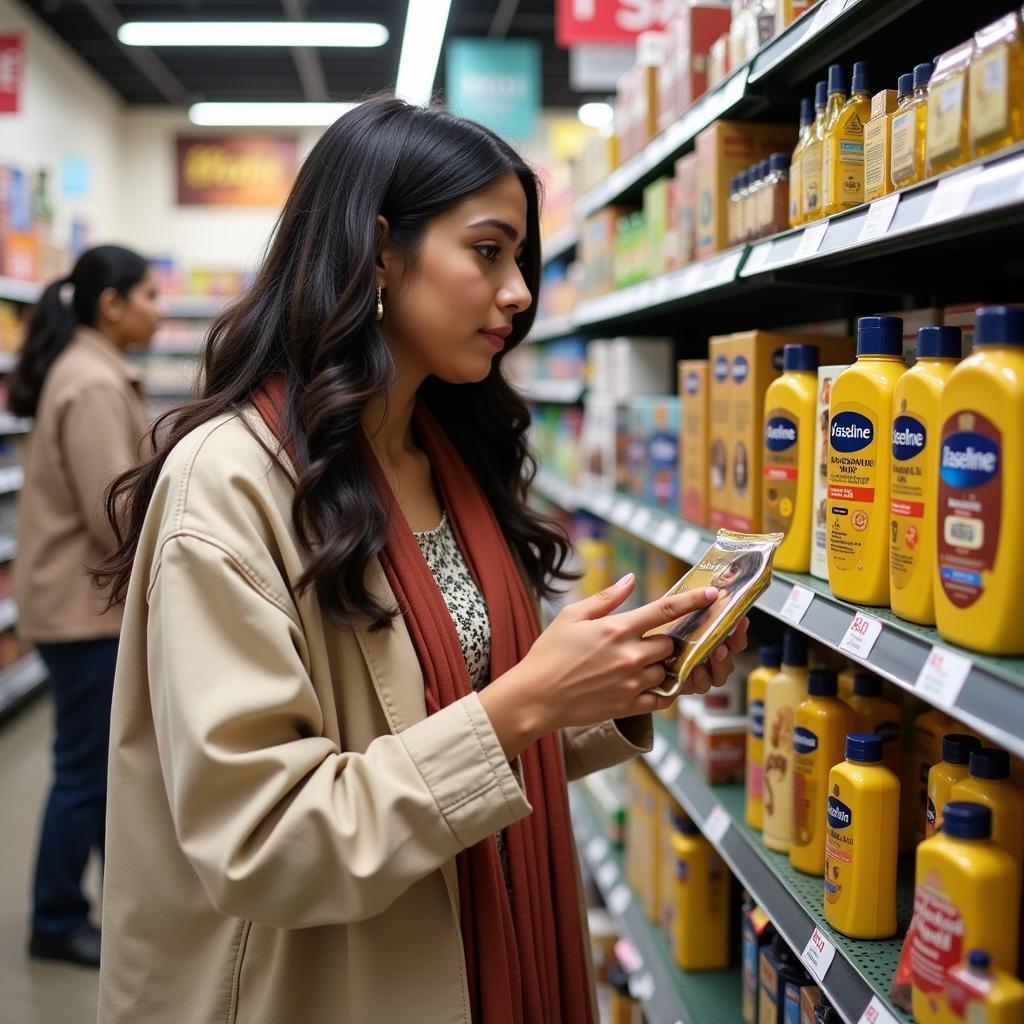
{"x": 596, "y": 115}
{"x": 265, "y": 115}
{"x": 425, "y": 24}
{"x": 252, "y": 33}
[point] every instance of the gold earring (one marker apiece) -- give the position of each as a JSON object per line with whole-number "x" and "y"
{"x": 380, "y": 304}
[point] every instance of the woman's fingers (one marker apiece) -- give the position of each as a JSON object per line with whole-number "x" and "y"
{"x": 668, "y": 608}
{"x": 737, "y": 640}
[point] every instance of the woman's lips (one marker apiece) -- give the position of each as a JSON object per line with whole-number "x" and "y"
{"x": 495, "y": 339}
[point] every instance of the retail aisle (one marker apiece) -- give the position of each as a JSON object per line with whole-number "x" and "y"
{"x": 33, "y": 992}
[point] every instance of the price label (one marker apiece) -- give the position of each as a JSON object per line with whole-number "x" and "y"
{"x": 757, "y": 259}
{"x": 622, "y": 511}
{"x": 618, "y": 899}
{"x": 671, "y": 769}
{"x": 641, "y": 986}
{"x": 641, "y": 520}
{"x": 601, "y": 504}
{"x": 876, "y": 1013}
{"x": 861, "y": 636}
{"x": 596, "y": 849}
{"x": 880, "y": 215}
{"x": 828, "y": 11}
{"x": 818, "y": 955}
{"x": 717, "y": 824}
{"x": 665, "y": 534}
{"x": 942, "y": 676}
{"x": 797, "y": 603}
{"x": 607, "y": 874}
{"x": 810, "y": 241}
{"x": 951, "y": 197}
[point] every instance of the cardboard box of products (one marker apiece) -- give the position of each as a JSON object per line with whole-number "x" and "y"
{"x": 720, "y": 748}
{"x": 661, "y": 421}
{"x": 694, "y": 387}
{"x": 683, "y": 244}
{"x": 641, "y": 366}
{"x": 718, "y": 61}
{"x": 697, "y": 28}
{"x": 912, "y": 320}
{"x": 597, "y": 249}
{"x": 657, "y": 197}
{"x": 598, "y": 438}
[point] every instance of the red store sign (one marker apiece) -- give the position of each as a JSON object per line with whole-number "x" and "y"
{"x": 608, "y": 21}
{"x": 12, "y": 65}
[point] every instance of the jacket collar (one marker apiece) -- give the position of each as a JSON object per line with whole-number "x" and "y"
{"x": 97, "y": 342}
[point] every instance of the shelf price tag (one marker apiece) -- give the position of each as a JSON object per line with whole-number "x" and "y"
{"x": 818, "y": 955}
{"x": 619, "y": 898}
{"x": 622, "y": 511}
{"x": 717, "y": 824}
{"x": 951, "y": 197}
{"x": 641, "y": 520}
{"x": 827, "y": 13}
{"x": 757, "y": 259}
{"x": 665, "y": 534}
{"x": 671, "y": 769}
{"x": 601, "y": 504}
{"x": 797, "y": 603}
{"x": 810, "y": 240}
{"x": 641, "y": 986}
{"x": 876, "y": 1013}
{"x": 880, "y": 215}
{"x": 607, "y": 874}
{"x": 861, "y": 636}
{"x": 942, "y": 676}
{"x": 596, "y": 849}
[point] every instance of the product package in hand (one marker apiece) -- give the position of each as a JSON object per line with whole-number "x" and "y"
{"x": 739, "y": 565}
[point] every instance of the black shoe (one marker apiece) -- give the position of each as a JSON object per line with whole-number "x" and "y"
{"x": 81, "y": 946}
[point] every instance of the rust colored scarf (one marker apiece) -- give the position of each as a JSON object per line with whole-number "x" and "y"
{"x": 524, "y": 947}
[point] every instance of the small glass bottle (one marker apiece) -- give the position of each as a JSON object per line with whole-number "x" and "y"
{"x": 733, "y": 217}
{"x": 947, "y": 142}
{"x": 778, "y": 190}
{"x": 997, "y": 86}
{"x": 755, "y": 177}
{"x": 909, "y": 125}
{"x": 796, "y": 213}
{"x": 742, "y": 195}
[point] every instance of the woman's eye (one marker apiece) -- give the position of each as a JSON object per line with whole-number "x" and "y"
{"x": 489, "y": 252}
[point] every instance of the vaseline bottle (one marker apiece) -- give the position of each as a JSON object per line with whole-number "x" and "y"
{"x": 874, "y": 713}
{"x": 957, "y": 748}
{"x": 929, "y": 728}
{"x": 757, "y": 682}
{"x": 796, "y": 212}
{"x": 810, "y": 170}
{"x": 983, "y": 994}
{"x": 996, "y": 112}
{"x": 909, "y": 127}
{"x": 947, "y": 143}
{"x": 782, "y": 695}
{"x": 788, "y": 484}
{"x": 859, "y": 457}
{"x": 877, "y": 163}
{"x": 701, "y": 921}
{"x": 842, "y": 171}
{"x": 821, "y": 726}
{"x": 981, "y": 489}
{"x": 915, "y": 473}
{"x": 966, "y": 895}
{"x": 862, "y": 843}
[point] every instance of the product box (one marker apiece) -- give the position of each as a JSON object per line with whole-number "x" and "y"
{"x": 20, "y": 255}
{"x": 756, "y": 931}
{"x": 638, "y": 451}
{"x": 819, "y": 500}
{"x": 912, "y": 320}
{"x": 810, "y": 997}
{"x": 596, "y": 249}
{"x": 636, "y": 105}
{"x": 661, "y": 422}
{"x": 598, "y": 441}
{"x": 720, "y": 747}
{"x": 962, "y": 316}
{"x": 694, "y": 386}
{"x": 718, "y": 61}
{"x": 657, "y": 197}
{"x": 683, "y": 77}
{"x": 642, "y": 366}
{"x": 877, "y": 173}
{"x": 683, "y": 241}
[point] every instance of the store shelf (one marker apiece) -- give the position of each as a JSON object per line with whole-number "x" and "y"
{"x": 194, "y": 307}
{"x": 8, "y": 547}
{"x": 987, "y": 693}
{"x": 549, "y": 327}
{"x": 554, "y": 391}
{"x": 11, "y": 479}
{"x": 560, "y": 244}
{"x": 861, "y": 971}
{"x": 14, "y": 290}
{"x": 8, "y": 613}
{"x": 668, "y": 995}
{"x": 11, "y": 425}
{"x": 20, "y": 681}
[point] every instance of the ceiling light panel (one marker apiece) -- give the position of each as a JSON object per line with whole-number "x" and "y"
{"x": 252, "y": 33}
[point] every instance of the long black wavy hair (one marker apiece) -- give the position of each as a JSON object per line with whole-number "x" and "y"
{"x": 310, "y": 314}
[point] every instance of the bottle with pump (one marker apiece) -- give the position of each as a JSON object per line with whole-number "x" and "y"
{"x": 876, "y": 714}
{"x": 842, "y": 172}
{"x": 915, "y": 473}
{"x": 996, "y": 106}
{"x": 788, "y": 460}
{"x": 957, "y": 748}
{"x": 862, "y": 843}
{"x": 784, "y": 692}
{"x": 947, "y": 141}
{"x": 981, "y": 489}
{"x": 796, "y": 211}
{"x": 757, "y": 682}
{"x": 909, "y": 132}
{"x": 810, "y": 166}
{"x": 821, "y": 726}
{"x": 984, "y": 994}
{"x": 859, "y": 458}
{"x": 701, "y": 921}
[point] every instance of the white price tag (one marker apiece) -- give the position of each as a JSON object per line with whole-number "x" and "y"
{"x": 818, "y": 955}
{"x": 641, "y": 986}
{"x": 665, "y": 534}
{"x": 717, "y": 824}
{"x": 861, "y": 636}
{"x": 671, "y": 769}
{"x": 942, "y": 676}
{"x": 797, "y": 603}
{"x": 596, "y": 849}
{"x": 619, "y": 898}
{"x": 607, "y": 874}
{"x": 876, "y": 1013}
{"x": 601, "y": 504}
{"x": 659, "y": 748}
{"x": 757, "y": 258}
{"x": 951, "y": 197}
{"x": 641, "y": 520}
{"x": 880, "y": 215}
{"x": 622, "y": 511}
{"x": 828, "y": 11}
{"x": 810, "y": 240}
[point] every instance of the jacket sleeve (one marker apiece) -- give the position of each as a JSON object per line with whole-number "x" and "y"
{"x": 593, "y": 747}
{"x": 281, "y": 826}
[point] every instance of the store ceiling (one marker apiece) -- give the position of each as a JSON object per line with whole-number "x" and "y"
{"x": 173, "y": 76}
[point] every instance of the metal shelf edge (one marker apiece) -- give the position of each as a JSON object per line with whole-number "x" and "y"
{"x": 19, "y": 680}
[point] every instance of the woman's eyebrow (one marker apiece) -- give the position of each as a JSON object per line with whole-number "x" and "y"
{"x": 503, "y": 226}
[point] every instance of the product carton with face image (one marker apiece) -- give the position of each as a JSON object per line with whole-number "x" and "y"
{"x": 694, "y": 447}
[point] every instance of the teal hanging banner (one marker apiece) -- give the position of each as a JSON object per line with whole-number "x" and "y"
{"x": 495, "y": 82}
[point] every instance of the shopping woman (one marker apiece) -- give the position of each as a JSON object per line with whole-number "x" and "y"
{"x": 340, "y": 747}
{"x": 73, "y": 378}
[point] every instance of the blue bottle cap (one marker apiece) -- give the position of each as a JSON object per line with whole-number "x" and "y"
{"x": 763, "y": 167}
{"x": 687, "y": 826}
{"x": 861, "y": 82}
{"x": 939, "y": 342}
{"x": 989, "y": 763}
{"x": 964, "y": 820}
{"x": 880, "y": 336}
{"x": 806, "y": 112}
{"x": 922, "y": 75}
{"x": 957, "y": 747}
{"x": 836, "y": 79}
{"x": 778, "y": 162}
{"x": 867, "y": 684}
{"x": 794, "y": 648}
{"x": 999, "y": 325}
{"x": 864, "y": 746}
{"x": 979, "y": 960}
{"x": 734, "y": 183}
{"x": 822, "y": 682}
{"x": 904, "y": 86}
{"x": 821, "y": 94}
{"x": 771, "y": 655}
{"x": 800, "y": 357}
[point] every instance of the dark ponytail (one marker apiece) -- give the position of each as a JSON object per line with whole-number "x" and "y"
{"x": 64, "y": 305}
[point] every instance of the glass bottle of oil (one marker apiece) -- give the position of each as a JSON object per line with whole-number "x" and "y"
{"x": 843, "y": 151}
{"x": 996, "y": 108}
{"x": 796, "y": 211}
{"x": 810, "y": 176}
{"x": 909, "y": 127}
{"x": 947, "y": 144}
{"x": 829, "y": 145}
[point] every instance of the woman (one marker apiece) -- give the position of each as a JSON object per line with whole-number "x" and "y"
{"x": 89, "y": 421}
{"x": 339, "y": 746}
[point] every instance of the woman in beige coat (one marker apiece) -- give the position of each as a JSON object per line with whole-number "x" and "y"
{"x": 340, "y": 742}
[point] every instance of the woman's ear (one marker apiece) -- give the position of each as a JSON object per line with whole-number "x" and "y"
{"x": 383, "y": 241}
{"x": 110, "y": 305}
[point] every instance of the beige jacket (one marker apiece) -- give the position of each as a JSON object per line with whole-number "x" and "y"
{"x": 283, "y": 817}
{"x": 89, "y": 427}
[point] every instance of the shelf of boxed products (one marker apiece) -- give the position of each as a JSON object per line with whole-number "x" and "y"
{"x": 194, "y": 307}
{"x": 11, "y": 479}
{"x": 561, "y": 244}
{"x": 555, "y": 390}
{"x": 550, "y": 327}
{"x": 14, "y": 290}
{"x": 985, "y": 692}
{"x": 668, "y": 995}
{"x": 20, "y": 680}
{"x": 854, "y": 974}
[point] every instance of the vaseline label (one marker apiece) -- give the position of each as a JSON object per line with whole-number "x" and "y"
{"x": 806, "y": 798}
{"x": 740, "y": 369}
{"x": 781, "y": 470}
{"x": 839, "y": 815}
{"x": 838, "y": 846}
{"x": 721, "y": 369}
{"x": 852, "y": 485}
{"x": 692, "y": 383}
{"x": 757, "y": 719}
{"x": 804, "y": 741}
{"x": 908, "y": 496}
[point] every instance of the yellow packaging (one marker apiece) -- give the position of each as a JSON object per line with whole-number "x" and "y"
{"x": 966, "y": 896}
{"x": 842, "y": 151}
{"x": 929, "y": 728}
{"x": 956, "y": 755}
{"x": 982, "y": 994}
{"x": 796, "y": 213}
{"x": 641, "y": 833}
{"x": 757, "y": 683}
{"x": 875, "y": 714}
{"x": 915, "y": 474}
{"x": 908, "y": 134}
{"x": 947, "y": 144}
{"x": 860, "y": 428}
{"x": 810, "y": 161}
{"x": 981, "y": 489}
{"x": 996, "y": 108}
{"x": 862, "y": 842}
{"x": 694, "y": 386}
{"x": 821, "y": 726}
{"x": 819, "y": 531}
{"x": 701, "y": 918}
{"x": 877, "y": 163}
{"x": 595, "y": 555}
{"x": 671, "y": 813}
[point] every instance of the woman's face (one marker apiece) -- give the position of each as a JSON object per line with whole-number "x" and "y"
{"x": 465, "y": 283}
{"x": 131, "y": 320}
{"x": 727, "y": 576}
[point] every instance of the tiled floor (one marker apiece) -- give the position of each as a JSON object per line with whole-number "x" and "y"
{"x": 31, "y": 992}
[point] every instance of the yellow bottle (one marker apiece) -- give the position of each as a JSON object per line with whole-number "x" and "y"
{"x": 909, "y": 127}
{"x": 947, "y": 142}
{"x": 596, "y": 557}
{"x": 957, "y": 748}
{"x": 859, "y": 457}
{"x": 702, "y": 923}
{"x": 915, "y": 473}
{"x": 877, "y": 163}
{"x": 966, "y": 896}
{"x": 847, "y": 679}
{"x": 810, "y": 163}
{"x": 782, "y": 695}
{"x": 821, "y": 726}
{"x": 842, "y": 170}
{"x": 862, "y": 843}
{"x": 874, "y": 713}
{"x": 980, "y": 505}
{"x": 996, "y": 108}
{"x": 796, "y": 213}
{"x": 757, "y": 682}
{"x": 929, "y": 728}
{"x": 788, "y": 484}
{"x": 982, "y": 994}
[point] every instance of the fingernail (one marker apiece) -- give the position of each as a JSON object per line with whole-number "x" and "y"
{"x": 710, "y": 593}
{"x": 721, "y": 654}
{"x": 628, "y": 578}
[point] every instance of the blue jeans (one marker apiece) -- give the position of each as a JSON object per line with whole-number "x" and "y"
{"x": 82, "y": 683}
